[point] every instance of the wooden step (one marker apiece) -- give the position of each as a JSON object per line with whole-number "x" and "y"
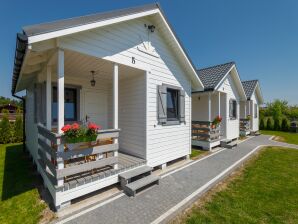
{"x": 228, "y": 143}
{"x": 131, "y": 188}
{"x": 231, "y": 145}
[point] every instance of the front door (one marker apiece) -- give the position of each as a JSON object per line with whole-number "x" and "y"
{"x": 96, "y": 107}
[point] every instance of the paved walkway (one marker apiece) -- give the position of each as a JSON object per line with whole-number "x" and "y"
{"x": 177, "y": 189}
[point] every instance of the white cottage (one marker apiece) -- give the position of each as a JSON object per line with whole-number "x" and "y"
{"x": 222, "y": 94}
{"x": 249, "y": 109}
{"x": 124, "y": 70}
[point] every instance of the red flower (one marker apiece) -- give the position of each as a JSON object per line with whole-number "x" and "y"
{"x": 219, "y": 118}
{"x": 75, "y": 126}
{"x": 66, "y": 128}
{"x": 93, "y": 126}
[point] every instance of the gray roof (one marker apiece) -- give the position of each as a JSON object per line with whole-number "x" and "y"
{"x": 211, "y": 76}
{"x": 249, "y": 87}
{"x": 83, "y": 20}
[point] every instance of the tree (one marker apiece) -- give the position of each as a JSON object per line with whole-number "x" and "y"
{"x": 18, "y": 129}
{"x": 5, "y": 129}
{"x": 285, "y": 124}
{"x": 269, "y": 125}
{"x": 277, "y": 122}
{"x": 262, "y": 124}
{"x": 277, "y": 109}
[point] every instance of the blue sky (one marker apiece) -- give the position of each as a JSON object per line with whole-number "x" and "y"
{"x": 260, "y": 36}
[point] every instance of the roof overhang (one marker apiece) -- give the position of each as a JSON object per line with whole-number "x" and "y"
{"x": 154, "y": 10}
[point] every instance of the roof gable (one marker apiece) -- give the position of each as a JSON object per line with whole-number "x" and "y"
{"x": 250, "y": 87}
{"x": 212, "y": 76}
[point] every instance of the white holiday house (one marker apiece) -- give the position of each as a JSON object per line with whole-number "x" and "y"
{"x": 124, "y": 70}
{"x": 249, "y": 109}
{"x": 222, "y": 94}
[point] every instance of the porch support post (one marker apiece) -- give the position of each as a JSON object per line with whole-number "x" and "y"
{"x": 60, "y": 99}
{"x": 115, "y": 103}
{"x": 49, "y": 98}
{"x": 249, "y": 108}
{"x": 209, "y": 107}
{"x": 218, "y": 103}
{"x": 245, "y": 110}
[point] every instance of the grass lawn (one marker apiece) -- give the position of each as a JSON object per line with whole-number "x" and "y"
{"x": 288, "y": 137}
{"x": 195, "y": 153}
{"x": 20, "y": 201}
{"x": 265, "y": 191}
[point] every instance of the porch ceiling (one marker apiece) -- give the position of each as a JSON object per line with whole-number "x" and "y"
{"x": 80, "y": 65}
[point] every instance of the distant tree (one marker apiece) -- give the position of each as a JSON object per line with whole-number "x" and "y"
{"x": 277, "y": 109}
{"x": 262, "y": 124}
{"x": 5, "y": 129}
{"x": 5, "y": 100}
{"x": 277, "y": 122}
{"x": 269, "y": 125}
{"x": 285, "y": 124}
{"x": 18, "y": 129}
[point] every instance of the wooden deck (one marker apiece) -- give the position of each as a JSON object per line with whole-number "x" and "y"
{"x": 125, "y": 163}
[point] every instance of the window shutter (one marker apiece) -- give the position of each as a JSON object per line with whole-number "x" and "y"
{"x": 235, "y": 109}
{"x": 37, "y": 102}
{"x": 182, "y": 106}
{"x": 230, "y": 108}
{"x": 162, "y": 104}
{"x": 43, "y": 104}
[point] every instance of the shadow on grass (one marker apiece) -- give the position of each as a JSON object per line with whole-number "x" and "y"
{"x": 19, "y": 174}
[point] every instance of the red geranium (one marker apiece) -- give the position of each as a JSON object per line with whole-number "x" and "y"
{"x": 93, "y": 126}
{"x": 66, "y": 128}
{"x": 75, "y": 126}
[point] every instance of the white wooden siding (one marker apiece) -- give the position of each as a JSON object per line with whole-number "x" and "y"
{"x": 132, "y": 115}
{"x": 254, "y": 121}
{"x": 229, "y": 87}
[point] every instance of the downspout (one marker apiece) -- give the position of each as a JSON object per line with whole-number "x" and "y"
{"x": 24, "y": 116}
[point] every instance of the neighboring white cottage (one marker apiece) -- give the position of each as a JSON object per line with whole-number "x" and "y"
{"x": 124, "y": 70}
{"x": 222, "y": 94}
{"x": 249, "y": 110}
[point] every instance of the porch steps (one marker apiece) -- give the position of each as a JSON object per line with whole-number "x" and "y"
{"x": 255, "y": 133}
{"x": 228, "y": 143}
{"x": 137, "y": 179}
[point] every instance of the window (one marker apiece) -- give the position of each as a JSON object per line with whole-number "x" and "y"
{"x": 70, "y": 104}
{"x": 233, "y": 109}
{"x": 256, "y": 110}
{"x": 172, "y": 104}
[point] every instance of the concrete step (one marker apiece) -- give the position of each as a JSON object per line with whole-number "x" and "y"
{"x": 136, "y": 172}
{"x": 131, "y": 188}
{"x": 228, "y": 143}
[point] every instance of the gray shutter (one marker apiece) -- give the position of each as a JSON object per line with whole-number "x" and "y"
{"x": 182, "y": 106}
{"x": 43, "y": 104}
{"x": 162, "y": 104}
{"x": 230, "y": 108}
{"x": 37, "y": 102}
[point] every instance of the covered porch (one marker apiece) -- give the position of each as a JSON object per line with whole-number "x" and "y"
{"x": 77, "y": 88}
{"x": 245, "y": 117}
{"x": 206, "y": 106}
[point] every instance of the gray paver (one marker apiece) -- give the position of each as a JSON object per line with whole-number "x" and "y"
{"x": 150, "y": 204}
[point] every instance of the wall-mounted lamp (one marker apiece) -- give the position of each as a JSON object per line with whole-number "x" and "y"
{"x": 92, "y": 81}
{"x": 151, "y": 28}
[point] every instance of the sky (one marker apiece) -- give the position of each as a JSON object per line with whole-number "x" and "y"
{"x": 261, "y": 36}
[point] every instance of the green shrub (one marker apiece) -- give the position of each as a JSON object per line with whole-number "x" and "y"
{"x": 262, "y": 124}
{"x": 269, "y": 125}
{"x": 285, "y": 124}
{"x": 277, "y": 126}
{"x": 18, "y": 129}
{"x": 5, "y": 130}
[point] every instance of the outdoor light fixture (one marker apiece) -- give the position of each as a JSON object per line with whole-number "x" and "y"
{"x": 92, "y": 81}
{"x": 151, "y": 28}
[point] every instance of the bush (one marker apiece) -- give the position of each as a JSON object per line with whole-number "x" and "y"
{"x": 269, "y": 124}
{"x": 277, "y": 126}
{"x": 5, "y": 130}
{"x": 285, "y": 124}
{"x": 262, "y": 124}
{"x": 18, "y": 129}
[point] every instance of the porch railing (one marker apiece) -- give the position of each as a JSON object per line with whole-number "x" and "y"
{"x": 205, "y": 131}
{"x": 63, "y": 161}
{"x": 244, "y": 124}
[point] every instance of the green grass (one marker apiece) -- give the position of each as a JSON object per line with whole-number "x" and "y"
{"x": 197, "y": 152}
{"x": 265, "y": 192}
{"x": 288, "y": 137}
{"x": 20, "y": 201}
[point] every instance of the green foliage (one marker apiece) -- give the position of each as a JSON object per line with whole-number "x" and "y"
{"x": 262, "y": 124}
{"x": 277, "y": 122}
{"x": 4, "y": 100}
{"x": 5, "y": 130}
{"x": 288, "y": 137}
{"x": 277, "y": 109}
{"x": 18, "y": 129}
{"x": 269, "y": 125}
{"x": 285, "y": 124}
